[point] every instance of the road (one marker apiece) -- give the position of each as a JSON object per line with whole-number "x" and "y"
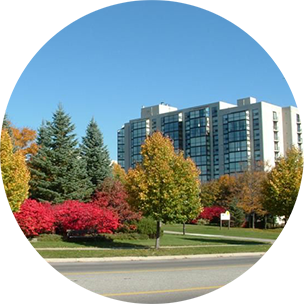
{"x": 267, "y": 279}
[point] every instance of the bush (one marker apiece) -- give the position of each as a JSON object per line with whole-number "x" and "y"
{"x": 35, "y": 218}
{"x": 147, "y": 226}
{"x": 89, "y": 218}
{"x": 113, "y": 196}
{"x": 212, "y": 214}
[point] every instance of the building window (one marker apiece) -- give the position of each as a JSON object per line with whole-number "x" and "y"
{"x": 275, "y": 116}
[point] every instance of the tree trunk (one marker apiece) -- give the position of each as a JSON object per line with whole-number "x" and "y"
{"x": 289, "y": 233}
{"x": 184, "y": 229}
{"x": 157, "y": 241}
{"x": 253, "y": 220}
{"x": 265, "y": 221}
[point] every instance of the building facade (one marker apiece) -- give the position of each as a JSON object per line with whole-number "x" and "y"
{"x": 220, "y": 137}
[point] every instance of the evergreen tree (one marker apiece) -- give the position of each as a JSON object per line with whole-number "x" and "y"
{"x": 58, "y": 171}
{"x": 96, "y": 155}
{"x": 3, "y": 119}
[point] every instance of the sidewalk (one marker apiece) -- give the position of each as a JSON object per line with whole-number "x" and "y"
{"x": 224, "y": 237}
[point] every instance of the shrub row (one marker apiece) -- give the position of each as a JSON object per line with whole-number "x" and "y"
{"x": 35, "y": 218}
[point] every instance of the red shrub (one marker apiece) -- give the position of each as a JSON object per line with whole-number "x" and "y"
{"x": 113, "y": 196}
{"x": 35, "y": 218}
{"x": 75, "y": 215}
{"x": 212, "y": 213}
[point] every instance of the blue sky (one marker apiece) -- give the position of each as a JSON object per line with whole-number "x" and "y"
{"x": 110, "y": 63}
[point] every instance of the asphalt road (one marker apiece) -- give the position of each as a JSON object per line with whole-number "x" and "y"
{"x": 268, "y": 279}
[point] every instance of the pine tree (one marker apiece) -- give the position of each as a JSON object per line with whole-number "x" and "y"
{"x": 58, "y": 171}
{"x": 3, "y": 119}
{"x": 96, "y": 155}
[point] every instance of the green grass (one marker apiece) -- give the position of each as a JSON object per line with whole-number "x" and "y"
{"x": 151, "y": 252}
{"x": 215, "y": 230}
{"x": 144, "y": 247}
{"x": 166, "y": 240}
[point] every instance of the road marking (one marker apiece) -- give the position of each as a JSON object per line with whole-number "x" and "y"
{"x": 135, "y": 293}
{"x": 154, "y": 270}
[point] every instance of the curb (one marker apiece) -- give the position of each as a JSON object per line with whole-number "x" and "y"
{"x": 153, "y": 258}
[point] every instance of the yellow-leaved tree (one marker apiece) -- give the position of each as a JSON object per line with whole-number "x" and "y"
{"x": 164, "y": 185}
{"x": 281, "y": 187}
{"x": 15, "y": 174}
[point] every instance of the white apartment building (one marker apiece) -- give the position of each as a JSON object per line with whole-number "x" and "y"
{"x": 220, "y": 137}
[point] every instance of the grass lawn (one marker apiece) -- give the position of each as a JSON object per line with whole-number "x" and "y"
{"x": 120, "y": 248}
{"x": 150, "y": 252}
{"x": 240, "y": 232}
{"x": 166, "y": 240}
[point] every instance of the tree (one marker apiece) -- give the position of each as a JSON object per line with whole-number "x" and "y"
{"x": 4, "y": 124}
{"x": 164, "y": 186}
{"x": 210, "y": 192}
{"x": 113, "y": 196}
{"x": 119, "y": 173}
{"x": 15, "y": 174}
{"x": 248, "y": 193}
{"x": 280, "y": 188}
{"x": 226, "y": 192}
{"x": 96, "y": 155}
{"x": 58, "y": 173}
{"x": 24, "y": 140}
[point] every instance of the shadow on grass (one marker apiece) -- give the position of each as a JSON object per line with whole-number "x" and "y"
{"x": 105, "y": 244}
{"x": 224, "y": 241}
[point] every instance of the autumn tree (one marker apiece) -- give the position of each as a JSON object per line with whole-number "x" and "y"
{"x": 95, "y": 154}
{"x": 58, "y": 173}
{"x": 249, "y": 193}
{"x": 164, "y": 186}
{"x": 112, "y": 195}
{"x": 24, "y": 140}
{"x": 119, "y": 173}
{"x": 209, "y": 193}
{"x": 15, "y": 174}
{"x": 280, "y": 188}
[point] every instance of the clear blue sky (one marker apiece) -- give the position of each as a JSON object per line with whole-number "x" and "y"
{"x": 114, "y": 61}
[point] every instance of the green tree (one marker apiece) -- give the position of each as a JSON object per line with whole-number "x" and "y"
{"x": 15, "y": 174}
{"x": 164, "y": 186}
{"x": 58, "y": 172}
{"x": 281, "y": 187}
{"x": 96, "y": 155}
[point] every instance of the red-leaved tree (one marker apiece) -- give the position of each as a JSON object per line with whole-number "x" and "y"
{"x": 113, "y": 196}
{"x": 74, "y": 215}
{"x": 35, "y": 218}
{"x": 212, "y": 213}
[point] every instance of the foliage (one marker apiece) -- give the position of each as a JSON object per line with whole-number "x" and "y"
{"x": 74, "y": 215}
{"x": 164, "y": 186}
{"x": 15, "y": 174}
{"x": 280, "y": 189}
{"x": 96, "y": 155}
{"x": 24, "y": 140}
{"x": 58, "y": 173}
{"x": 4, "y": 124}
{"x": 212, "y": 214}
{"x": 209, "y": 193}
{"x": 248, "y": 191}
{"x": 147, "y": 226}
{"x": 35, "y": 218}
{"x": 119, "y": 173}
{"x": 237, "y": 215}
{"x": 218, "y": 192}
{"x": 113, "y": 196}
